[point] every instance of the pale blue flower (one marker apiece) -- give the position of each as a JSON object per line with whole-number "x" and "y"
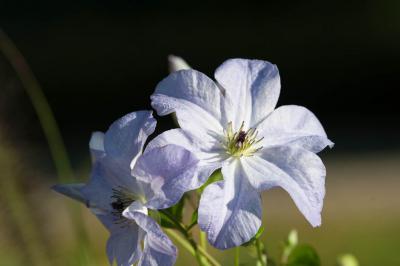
{"x": 233, "y": 124}
{"x": 125, "y": 183}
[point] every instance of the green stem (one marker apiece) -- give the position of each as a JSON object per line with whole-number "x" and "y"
{"x": 262, "y": 258}
{"x": 41, "y": 106}
{"x": 189, "y": 247}
{"x": 203, "y": 240}
{"x": 237, "y": 256}
{"x": 198, "y": 250}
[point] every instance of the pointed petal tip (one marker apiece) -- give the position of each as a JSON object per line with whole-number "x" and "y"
{"x": 73, "y": 191}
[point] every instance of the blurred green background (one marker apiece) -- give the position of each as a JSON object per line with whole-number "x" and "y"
{"x": 97, "y": 60}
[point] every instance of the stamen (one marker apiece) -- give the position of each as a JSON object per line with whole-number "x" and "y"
{"x": 121, "y": 200}
{"x": 241, "y": 142}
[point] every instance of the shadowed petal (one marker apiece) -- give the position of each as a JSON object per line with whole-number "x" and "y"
{"x": 252, "y": 89}
{"x": 158, "y": 248}
{"x": 125, "y": 138}
{"x": 74, "y": 191}
{"x": 298, "y": 171}
{"x": 170, "y": 170}
{"x": 195, "y": 98}
{"x": 230, "y": 210}
{"x": 295, "y": 126}
{"x": 123, "y": 246}
{"x": 105, "y": 179}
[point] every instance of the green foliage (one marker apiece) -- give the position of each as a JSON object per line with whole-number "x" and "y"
{"x": 175, "y": 211}
{"x": 303, "y": 255}
{"x": 193, "y": 220}
{"x": 216, "y": 176}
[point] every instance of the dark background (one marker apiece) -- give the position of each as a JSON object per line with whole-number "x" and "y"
{"x": 98, "y": 60}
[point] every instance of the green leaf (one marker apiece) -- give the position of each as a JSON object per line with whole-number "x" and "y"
{"x": 303, "y": 255}
{"x": 216, "y": 176}
{"x": 176, "y": 211}
{"x": 254, "y": 238}
{"x": 193, "y": 220}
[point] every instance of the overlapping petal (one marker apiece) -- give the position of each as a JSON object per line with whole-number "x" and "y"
{"x": 123, "y": 246}
{"x": 195, "y": 98}
{"x": 298, "y": 171}
{"x": 158, "y": 248}
{"x": 169, "y": 171}
{"x": 230, "y": 210}
{"x": 252, "y": 89}
{"x": 295, "y": 126}
{"x": 209, "y": 153}
{"x": 125, "y": 138}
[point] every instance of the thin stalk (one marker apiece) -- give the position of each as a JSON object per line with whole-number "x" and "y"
{"x": 185, "y": 244}
{"x": 41, "y": 106}
{"x": 262, "y": 258}
{"x": 198, "y": 250}
{"x": 237, "y": 256}
{"x": 203, "y": 240}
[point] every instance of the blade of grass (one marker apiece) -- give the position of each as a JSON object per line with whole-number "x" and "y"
{"x": 51, "y": 132}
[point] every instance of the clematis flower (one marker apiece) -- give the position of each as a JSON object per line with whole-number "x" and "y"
{"x": 232, "y": 124}
{"x": 125, "y": 183}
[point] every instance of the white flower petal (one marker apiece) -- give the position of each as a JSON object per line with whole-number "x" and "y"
{"x": 230, "y": 210}
{"x": 196, "y": 100}
{"x": 209, "y": 153}
{"x": 251, "y": 87}
{"x": 170, "y": 170}
{"x": 125, "y": 138}
{"x": 300, "y": 172}
{"x": 295, "y": 126}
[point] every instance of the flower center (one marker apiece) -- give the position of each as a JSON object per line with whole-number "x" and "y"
{"x": 121, "y": 199}
{"x": 241, "y": 142}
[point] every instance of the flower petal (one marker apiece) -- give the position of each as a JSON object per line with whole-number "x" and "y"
{"x": 125, "y": 138}
{"x": 158, "y": 248}
{"x": 170, "y": 170}
{"x": 105, "y": 178}
{"x": 230, "y": 210}
{"x": 195, "y": 98}
{"x": 252, "y": 89}
{"x": 123, "y": 245}
{"x": 295, "y": 126}
{"x": 208, "y": 153}
{"x": 74, "y": 191}
{"x": 96, "y": 145}
{"x": 300, "y": 172}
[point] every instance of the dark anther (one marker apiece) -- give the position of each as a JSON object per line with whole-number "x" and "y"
{"x": 118, "y": 205}
{"x": 241, "y": 137}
